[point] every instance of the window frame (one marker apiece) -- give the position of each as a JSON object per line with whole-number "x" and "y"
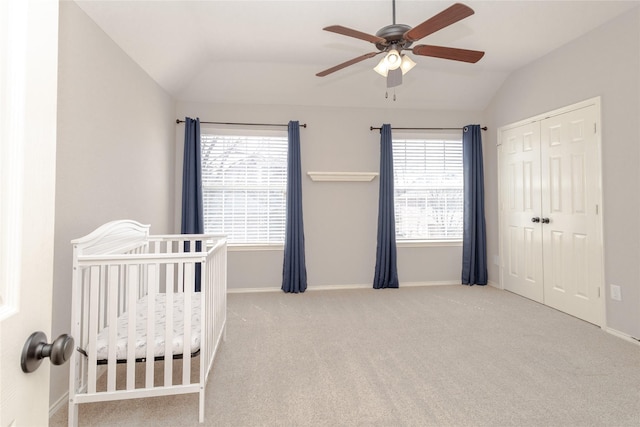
{"x": 254, "y": 131}
{"x": 438, "y": 135}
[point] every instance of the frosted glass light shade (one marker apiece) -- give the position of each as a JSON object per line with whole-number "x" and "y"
{"x": 393, "y": 59}
{"x": 407, "y": 64}
{"x": 382, "y": 67}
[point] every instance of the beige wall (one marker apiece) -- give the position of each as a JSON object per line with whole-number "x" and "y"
{"x": 340, "y": 218}
{"x": 114, "y": 152}
{"x": 606, "y": 63}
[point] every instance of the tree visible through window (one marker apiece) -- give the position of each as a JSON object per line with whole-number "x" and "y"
{"x": 428, "y": 184}
{"x": 244, "y": 184}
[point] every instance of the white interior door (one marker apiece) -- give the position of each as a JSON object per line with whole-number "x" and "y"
{"x": 550, "y": 193}
{"x": 570, "y": 200}
{"x": 521, "y": 205}
{"x": 28, "y": 94}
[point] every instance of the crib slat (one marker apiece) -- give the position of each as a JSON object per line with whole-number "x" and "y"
{"x": 94, "y": 293}
{"x": 143, "y": 283}
{"x": 186, "y": 345}
{"x": 151, "y": 322}
{"x": 102, "y": 306}
{"x": 112, "y": 310}
{"x": 131, "y": 329}
{"x": 84, "y": 323}
{"x": 206, "y": 333}
{"x": 168, "y": 327}
{"x": 122, "y": 290}
{"x": 180, "y": 275}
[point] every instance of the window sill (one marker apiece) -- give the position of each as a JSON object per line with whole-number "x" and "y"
{"x": 427, "y": 243}
{"x": 255, "y": 247}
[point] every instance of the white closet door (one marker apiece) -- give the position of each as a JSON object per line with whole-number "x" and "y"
{"x": 520, "y": 187}
{"x": 570, "y": 192}
{"x": 551, "y": 231}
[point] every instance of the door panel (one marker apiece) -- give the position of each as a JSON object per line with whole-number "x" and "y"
{"x": 570, "y": 179}
{"x": 520, "y": 176}
{"x": 28, "y": 94}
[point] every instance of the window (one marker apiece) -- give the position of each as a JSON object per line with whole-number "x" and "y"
{"x": 428, "y": 185}
{"x": 244, "y": 184}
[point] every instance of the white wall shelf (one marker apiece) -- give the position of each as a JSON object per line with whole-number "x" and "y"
{"x": 342, "y": 176}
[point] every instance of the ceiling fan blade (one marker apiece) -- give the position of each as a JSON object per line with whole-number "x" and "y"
{"x": 463, "y": 55}
{"x": 346, "y": 64}
{"x": 445, "y": 18}
{"x": 354, "y": 33}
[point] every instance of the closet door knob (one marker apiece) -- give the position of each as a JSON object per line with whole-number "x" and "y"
{"x": 546, "y": 220}
{"x": 535, "y": 219}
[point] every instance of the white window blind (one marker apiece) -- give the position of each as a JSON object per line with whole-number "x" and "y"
{"x": 428, "y": 184}
{"x": 244, "y": 184}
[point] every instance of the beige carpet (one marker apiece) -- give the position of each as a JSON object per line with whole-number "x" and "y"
{"x": 424, "y": 356}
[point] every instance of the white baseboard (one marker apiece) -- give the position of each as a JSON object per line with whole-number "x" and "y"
{"x": 340, "y": 287}
{"x": 251, "y": 290}
{"x": 494, "y": 285}
{"x": 437, "y": 283}
{"x": 622, "y": 335}
{"x": 63, "y": 400}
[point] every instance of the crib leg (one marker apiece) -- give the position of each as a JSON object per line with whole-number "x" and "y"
{"x": 201, "y": 414}
{"x": 73, "y": 414}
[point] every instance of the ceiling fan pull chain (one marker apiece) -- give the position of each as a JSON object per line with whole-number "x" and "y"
{"x": 394, "y": 95}
{"x": 386, "y": 95}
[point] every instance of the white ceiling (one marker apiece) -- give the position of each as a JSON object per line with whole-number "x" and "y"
{"x": 268, "y": 52}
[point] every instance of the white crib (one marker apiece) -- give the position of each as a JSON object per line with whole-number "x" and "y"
{"x": 120, "y": 272}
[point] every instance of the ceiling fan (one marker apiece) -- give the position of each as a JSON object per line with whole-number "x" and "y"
{"x": 396, "y": 38}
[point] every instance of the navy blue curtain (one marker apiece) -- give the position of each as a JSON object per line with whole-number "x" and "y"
{"x": 386, "y": 275}
{"x": 474, "y": 239}
{"x": 192, "y": 204}
{"x": 294, "y": 270}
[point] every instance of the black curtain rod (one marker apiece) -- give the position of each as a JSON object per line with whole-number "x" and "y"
{"x": 304, "y": 125}
{"x": 375, "y": 128}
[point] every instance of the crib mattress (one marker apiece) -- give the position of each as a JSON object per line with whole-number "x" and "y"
{"x": 102, "y": 346}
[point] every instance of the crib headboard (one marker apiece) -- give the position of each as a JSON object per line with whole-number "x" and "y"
{"x": 115, "y": 237}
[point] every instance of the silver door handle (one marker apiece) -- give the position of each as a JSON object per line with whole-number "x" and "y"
{"x": 36, "y": 348}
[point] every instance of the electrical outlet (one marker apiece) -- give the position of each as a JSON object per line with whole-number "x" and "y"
{"x": 496, "y": 260}
{"x": 616, "y": 293}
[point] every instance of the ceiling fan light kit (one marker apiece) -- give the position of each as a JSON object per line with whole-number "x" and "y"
{"x": 392, "y": 61}
{"x": 405, "y": 64}
{"x": 396, "y": 38}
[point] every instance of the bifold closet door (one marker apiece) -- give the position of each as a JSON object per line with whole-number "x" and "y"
{"x": 521, "y": 206}
{"x": 570, "y": 193}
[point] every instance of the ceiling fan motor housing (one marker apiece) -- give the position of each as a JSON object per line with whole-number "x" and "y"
{"x": 393, "y": 34}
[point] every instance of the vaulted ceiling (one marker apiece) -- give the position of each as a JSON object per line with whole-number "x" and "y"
{"x": 268, "y": 52}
